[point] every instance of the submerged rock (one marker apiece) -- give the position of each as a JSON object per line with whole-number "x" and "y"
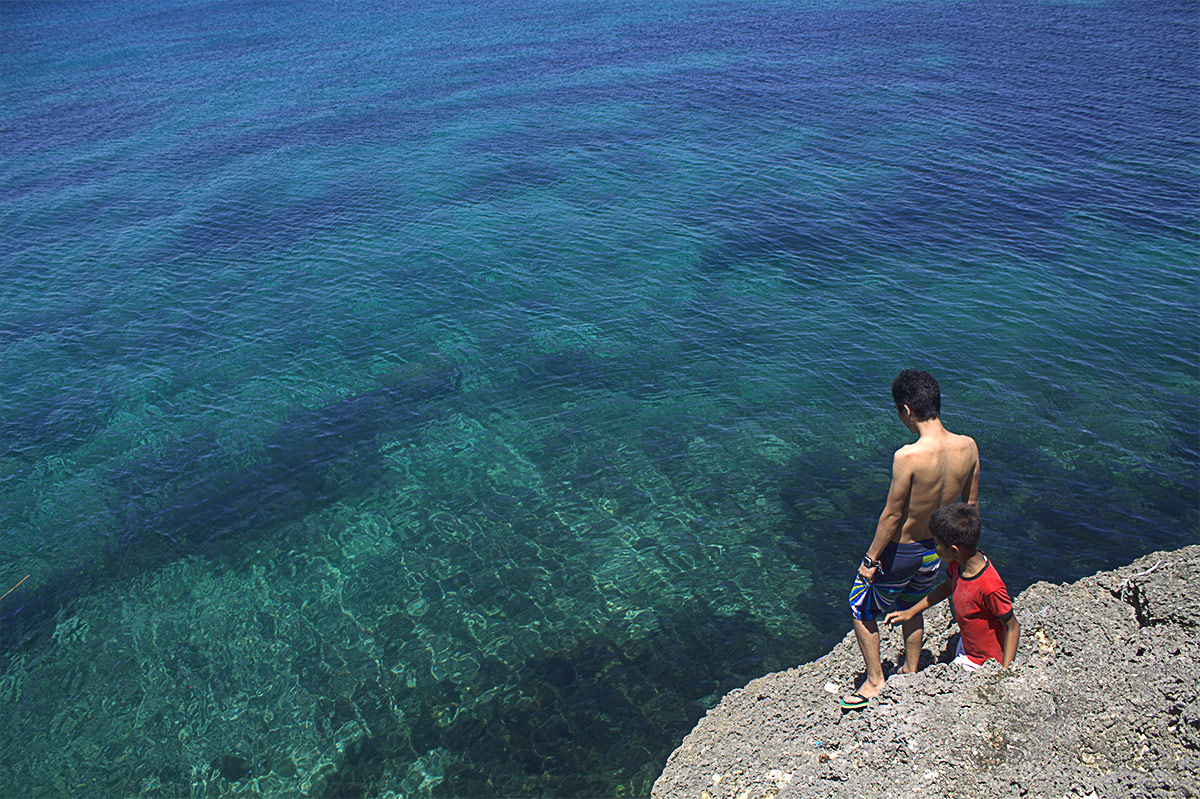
{"x": 1102, "y": 701}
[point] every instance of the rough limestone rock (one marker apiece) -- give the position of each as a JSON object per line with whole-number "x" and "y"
{"x": 1101, "y": 702}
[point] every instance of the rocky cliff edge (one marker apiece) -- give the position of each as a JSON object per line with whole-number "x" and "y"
{"x": 1101, "y": 702}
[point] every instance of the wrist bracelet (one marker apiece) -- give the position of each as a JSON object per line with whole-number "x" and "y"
{"x": 869, "y": 562}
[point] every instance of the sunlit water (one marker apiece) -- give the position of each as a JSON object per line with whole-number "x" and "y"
{"x": 457, "y": 399}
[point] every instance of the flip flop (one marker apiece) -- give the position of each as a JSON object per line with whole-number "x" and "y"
{"x": 853, "y": 702}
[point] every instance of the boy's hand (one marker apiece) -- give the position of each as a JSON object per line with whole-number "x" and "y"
{"x": 898, "y": 617}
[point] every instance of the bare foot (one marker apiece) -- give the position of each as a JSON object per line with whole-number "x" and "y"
{"x": 870, "y": 690}
{"x": 905, "y": 670}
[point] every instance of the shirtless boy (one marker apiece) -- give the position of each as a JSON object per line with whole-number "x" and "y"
{"x": 901, "y": 562}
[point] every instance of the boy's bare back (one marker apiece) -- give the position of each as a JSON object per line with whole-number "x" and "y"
{"x": 937, "y": 469}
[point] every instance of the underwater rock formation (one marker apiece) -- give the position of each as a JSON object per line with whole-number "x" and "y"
{"x": 1101, "y": 702}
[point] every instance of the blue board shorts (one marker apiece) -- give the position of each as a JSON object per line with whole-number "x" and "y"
{"x": 908, "y": 573}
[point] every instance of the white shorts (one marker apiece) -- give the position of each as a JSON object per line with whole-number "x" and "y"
{"x": 961, "y": 659}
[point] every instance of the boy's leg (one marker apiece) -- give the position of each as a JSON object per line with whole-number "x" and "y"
{"x": 867, "y": 633}
{"x": 914, "y": 635}
{"x": 864, "y": 607}
{"x": 922, "y": 554}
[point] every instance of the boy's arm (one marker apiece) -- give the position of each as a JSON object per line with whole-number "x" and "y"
{"x": 970, "y": 492}
{"x": 893, "y": 512}
{"x": 1012, "y": 636}
{"x": 929, "y": 600}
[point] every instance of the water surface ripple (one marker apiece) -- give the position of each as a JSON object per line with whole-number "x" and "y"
{"x": 457, "y": 400}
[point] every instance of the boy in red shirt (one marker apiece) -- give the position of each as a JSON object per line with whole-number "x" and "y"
{"x": 980, "y": 601}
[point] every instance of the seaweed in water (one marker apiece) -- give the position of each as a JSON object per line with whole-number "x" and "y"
{"x": 55, "y": 421}
{"x": 33, "y": 612}
{"x": 319, "y": 457}
{"x": 194, "y": 495}
{"x": 557, "y": 723}
{"x": 231, "y": 767}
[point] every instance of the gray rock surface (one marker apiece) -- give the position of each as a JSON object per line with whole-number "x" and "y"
{"x": 1101, "y": 702}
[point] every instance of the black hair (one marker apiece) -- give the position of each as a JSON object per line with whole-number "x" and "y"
{"x": 956, "y": 525}
{"x": 920, "y": 392}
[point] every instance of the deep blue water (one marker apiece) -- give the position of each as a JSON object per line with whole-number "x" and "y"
{"x": 457, "y": 399}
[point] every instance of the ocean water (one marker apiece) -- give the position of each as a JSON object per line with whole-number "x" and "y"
{"x": 456, "y": 399}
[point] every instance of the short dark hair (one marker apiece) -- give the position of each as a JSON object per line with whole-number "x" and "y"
{"x": 920, "y": 392}
{"x": 956, "y": 525}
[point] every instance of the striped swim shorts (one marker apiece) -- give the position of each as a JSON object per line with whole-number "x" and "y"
{"x": 908, "y": 573}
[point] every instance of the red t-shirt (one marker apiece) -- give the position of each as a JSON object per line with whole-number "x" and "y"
{"x": 981, "y": 605}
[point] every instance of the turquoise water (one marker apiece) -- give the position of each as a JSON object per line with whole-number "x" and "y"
{"x": 457, "y": 400}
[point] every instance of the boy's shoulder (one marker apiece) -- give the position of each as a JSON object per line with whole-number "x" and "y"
{"x": 951, "y": 440}
{"x": 964, "y": 442}
{"x": 987, "y": 578}
{"x": 992, "y": 582}
{"x": 909, "y": 452}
